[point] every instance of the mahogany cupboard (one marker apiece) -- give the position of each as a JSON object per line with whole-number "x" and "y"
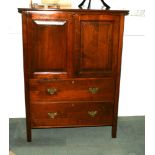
{"x": 72, "y": 63}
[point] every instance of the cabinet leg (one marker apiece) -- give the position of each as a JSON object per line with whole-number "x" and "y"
{"x": 114, "y": 131}
{"x": 29, "y": 137}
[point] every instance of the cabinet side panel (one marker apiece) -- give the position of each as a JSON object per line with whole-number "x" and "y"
{"x": 26, "y": 60}
{"x": 117, "y": 77}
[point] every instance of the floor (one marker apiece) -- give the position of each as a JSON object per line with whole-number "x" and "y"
{"x": 80, "y": 141}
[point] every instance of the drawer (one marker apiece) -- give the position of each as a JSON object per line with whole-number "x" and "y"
{"x": 71, "y": 114}
{"x": 72, "y": 90}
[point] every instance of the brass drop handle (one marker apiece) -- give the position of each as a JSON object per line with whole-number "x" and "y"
{"x": 92, "y": 113}
{"x": 52, "y": 115}
{"x": 51, "y": 91}
{"x": 93, "y": 90}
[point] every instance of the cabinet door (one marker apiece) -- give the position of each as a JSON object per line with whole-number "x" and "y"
{"x": 96, "y": 45}
{"x": 50, "y": 43}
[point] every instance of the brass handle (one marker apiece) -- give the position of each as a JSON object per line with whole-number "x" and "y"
{"x": 93, "y": 90}
{"x": 51, "y": 91}
{"x": 52, "y": 114}
{"x": 92, "y": 113}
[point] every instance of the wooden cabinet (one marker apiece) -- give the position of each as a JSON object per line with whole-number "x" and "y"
{"x": 72, "y": 61}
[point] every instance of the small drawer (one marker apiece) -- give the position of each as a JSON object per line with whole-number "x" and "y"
{"x": 94, "y": 113}
{"x": 72, "y": 90}
{"x": 71, "y": 114}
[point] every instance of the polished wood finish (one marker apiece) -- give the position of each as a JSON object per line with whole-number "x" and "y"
{"x": 72, "y": 63}
{"x": 96, "y": 42}
{"x": 72, "y": 90}
{"x": 71, "y": 114}
{"x": 51, "y": 46}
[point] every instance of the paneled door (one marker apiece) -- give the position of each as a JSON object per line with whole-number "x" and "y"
{"x": 50, "y": 44}
{"x": 96, "y": 45}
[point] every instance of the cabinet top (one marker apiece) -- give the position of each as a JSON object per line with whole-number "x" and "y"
{"x": 123, "y": 12}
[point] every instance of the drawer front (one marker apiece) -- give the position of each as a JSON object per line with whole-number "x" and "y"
{"x": 71, "y": 114}
{"x": 72, "y": 90}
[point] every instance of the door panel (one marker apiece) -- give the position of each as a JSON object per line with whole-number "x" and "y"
{"x": 50, "y": 43}
{"x": 96, "y": 39}
{"x": 97, "y": 43}
{"x": 48, "y": 55}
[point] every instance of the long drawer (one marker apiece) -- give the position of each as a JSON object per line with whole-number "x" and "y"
{"x": 53, "y": 114}
{"x": 72, "y": 90}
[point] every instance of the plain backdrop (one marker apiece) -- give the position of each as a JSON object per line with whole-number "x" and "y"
{"x": 137, "y": 90}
